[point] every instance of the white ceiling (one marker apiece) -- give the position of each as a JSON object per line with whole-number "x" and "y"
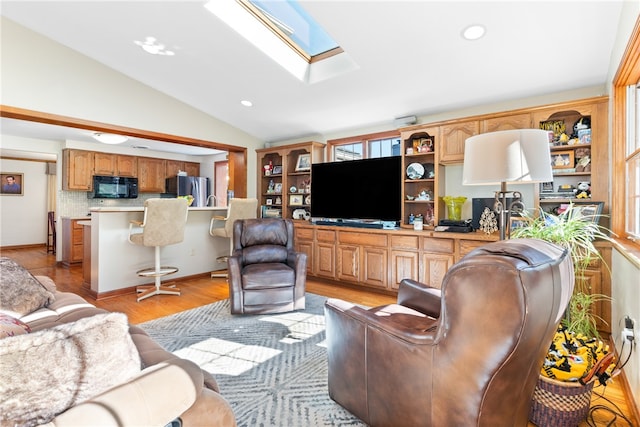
{"x": 411, "y": 58}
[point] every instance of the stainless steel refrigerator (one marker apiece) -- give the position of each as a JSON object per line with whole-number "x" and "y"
{"x": 197, "y": 186}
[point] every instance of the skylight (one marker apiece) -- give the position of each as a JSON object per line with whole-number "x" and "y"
{"x": 293, "y": 22}
{"x": 287, "y": 34}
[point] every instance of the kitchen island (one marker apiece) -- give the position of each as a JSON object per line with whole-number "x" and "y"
{"x": 114, "y": 260}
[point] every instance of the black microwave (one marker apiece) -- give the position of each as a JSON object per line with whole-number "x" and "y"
{"x": 114, "y": 187}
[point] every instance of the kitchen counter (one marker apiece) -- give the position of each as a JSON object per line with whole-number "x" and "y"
{"x": 114, "y": 260}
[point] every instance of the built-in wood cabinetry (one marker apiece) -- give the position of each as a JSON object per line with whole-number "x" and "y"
{"x": 110, "y": 164}
{"x": 381, "y": 258}
{"x": 451, "y": 135}
{"x": 151, "y": 175}
{"x": 284, "y": 178}
{"x": 72, "y": 241}
{"x": 126, "y": 165}
{"x": 175, "y": 166}
{"x": 77, "y": 167}
{"x": 420, "y": 192}
{"x": 506, "y": 122}
{"x": 452, "y": 138}
{"x": 104, "y": 163}
{"x": 596, "y": 173}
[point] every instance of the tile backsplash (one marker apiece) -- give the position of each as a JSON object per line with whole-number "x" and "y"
{"x": 76, "y": 204}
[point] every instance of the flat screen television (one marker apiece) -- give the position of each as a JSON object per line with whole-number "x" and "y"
{"x": 369, "y": 189}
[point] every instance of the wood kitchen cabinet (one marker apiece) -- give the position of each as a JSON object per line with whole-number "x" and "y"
{"x": 126, "y": 165}
{"x": 72, "y": 241}
{"x": 77, "y": 166}
{"x": 109, "y": 164}
{"x": 104, "y": 163}
{"x": 151, "y": 175}
{"x": 175, "y": 166}
{"x": 192, "y": 168}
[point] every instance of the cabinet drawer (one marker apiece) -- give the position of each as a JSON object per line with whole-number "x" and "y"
{"x": 326, "y": 236}
{"x": 467, "y": 246}
{"x": 444, "y": 246}
{"x": 405, "y": 242}
{"x": 347, "y": 237}
{"x": 304, "y": 233}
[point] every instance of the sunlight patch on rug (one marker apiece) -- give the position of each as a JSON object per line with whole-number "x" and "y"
{"x": 271, "y": 368}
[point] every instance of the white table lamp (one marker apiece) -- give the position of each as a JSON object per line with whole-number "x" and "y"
{"x": 510, "y": 156}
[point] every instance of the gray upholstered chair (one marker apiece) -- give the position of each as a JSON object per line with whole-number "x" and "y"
{"x": 266, "y": 275}
{"x": 468, "y": 354}
{"x": 163, "y": 224}
{"x": 222, "y": 227}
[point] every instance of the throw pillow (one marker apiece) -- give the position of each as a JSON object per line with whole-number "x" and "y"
{"x": 10, "y": 326}
{"x": 20, "y": 292}
{"x": 47, "y": 282}
{"x": 46, "y": 372}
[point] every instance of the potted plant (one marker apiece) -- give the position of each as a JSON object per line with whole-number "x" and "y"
{"x": 576, "y": 352}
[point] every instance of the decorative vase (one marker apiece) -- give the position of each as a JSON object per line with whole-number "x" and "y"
{"x": 454, "y": 206}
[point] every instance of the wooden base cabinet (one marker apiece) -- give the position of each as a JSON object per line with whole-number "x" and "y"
{"x": 72, "y": 241}
{"x": 380, "y": 259}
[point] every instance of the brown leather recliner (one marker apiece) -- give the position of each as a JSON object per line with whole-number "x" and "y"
{"x": 266, "y": 275}
{"x": 466, "y": 355}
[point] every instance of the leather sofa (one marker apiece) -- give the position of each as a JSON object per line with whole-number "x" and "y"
{"x": 164, "y": 388}
{"x": 266, "y": 275}
{"x": 467, "y": 354}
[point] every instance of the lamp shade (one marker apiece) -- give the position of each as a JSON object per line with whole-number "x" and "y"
{"x": 514, "y": 156}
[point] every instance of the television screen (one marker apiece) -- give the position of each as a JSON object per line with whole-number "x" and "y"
{"x": 358, "y": 189}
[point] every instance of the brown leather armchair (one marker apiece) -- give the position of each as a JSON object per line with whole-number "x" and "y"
{"x": 266, "y": 275}
{"x": 466, "y": 355}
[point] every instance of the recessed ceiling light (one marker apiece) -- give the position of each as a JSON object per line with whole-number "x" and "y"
{"x": 247, "y": 103}
{"x": 152, "y": 46}
{"x": 109, "y": 138}
{"x": 474, "y": 32}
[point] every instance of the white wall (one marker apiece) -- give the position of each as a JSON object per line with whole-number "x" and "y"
{"x": 39, "y": 74}
{"x": 24, "y": 218}
{"x": 625, "y": 275}
{"x": 625, "y": 295}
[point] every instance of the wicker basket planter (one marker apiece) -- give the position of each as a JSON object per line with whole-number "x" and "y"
{"x": 560, "y": 404}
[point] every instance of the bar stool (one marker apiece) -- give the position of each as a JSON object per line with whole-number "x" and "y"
{"x": 163, "y": 224}
{"x": 51, "y": 232}
{"x": 223, "y": 226}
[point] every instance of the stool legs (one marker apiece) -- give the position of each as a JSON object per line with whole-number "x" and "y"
{"x": 147, "y": 291}
{"x": 221, "y": 273}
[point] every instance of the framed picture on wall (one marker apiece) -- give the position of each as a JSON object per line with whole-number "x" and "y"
{"x": 12, "y": 184}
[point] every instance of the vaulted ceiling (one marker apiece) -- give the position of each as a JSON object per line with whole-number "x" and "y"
{"x": 410, "y": 57}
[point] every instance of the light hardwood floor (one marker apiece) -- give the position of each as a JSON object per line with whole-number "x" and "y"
{"x": 201, "y": 290}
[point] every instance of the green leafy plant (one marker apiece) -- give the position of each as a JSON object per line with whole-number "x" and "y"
{"x": 576, "y": 233}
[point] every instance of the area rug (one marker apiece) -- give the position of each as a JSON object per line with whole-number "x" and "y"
{"x": 271, "y": 368}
